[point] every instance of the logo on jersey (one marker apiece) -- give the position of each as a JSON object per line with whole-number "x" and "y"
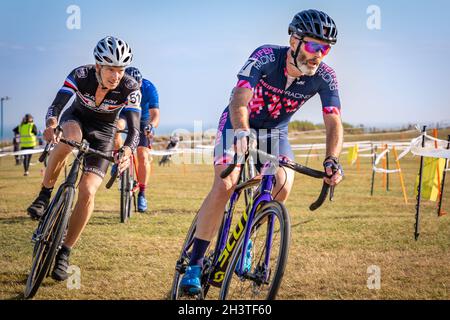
{"x": 131, "y": 84}
{"x": 82, "y": 72}
{"x": 247, "y": 68}
{"x": 329, "y": 76}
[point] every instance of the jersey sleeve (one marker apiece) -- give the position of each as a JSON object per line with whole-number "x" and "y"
{"x": 133, "y": 102}
{"x": 260, "y": 61}
{"x": 64, "y": 94}
{"x": 329, "y": 91}
{"x": 151, "y": 93}
{"x": 132, "y": 119}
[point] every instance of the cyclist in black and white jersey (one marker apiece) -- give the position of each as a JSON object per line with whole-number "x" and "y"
{"x": 102, "y": 91}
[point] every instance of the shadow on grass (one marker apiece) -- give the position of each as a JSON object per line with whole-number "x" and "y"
{"x": 14, "y": 220}
{"x": 302, "y": 222}
{"x": 20, "y": 280}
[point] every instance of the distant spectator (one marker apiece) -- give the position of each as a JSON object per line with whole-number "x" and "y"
{"x": 27, "y": 131}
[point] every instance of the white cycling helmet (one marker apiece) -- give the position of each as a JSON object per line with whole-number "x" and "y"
{"x": 112, "y": 51}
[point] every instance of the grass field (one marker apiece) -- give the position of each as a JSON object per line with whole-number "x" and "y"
{"x": 330, "y": 252}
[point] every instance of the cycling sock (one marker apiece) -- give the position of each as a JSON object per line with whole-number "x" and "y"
{"x": 64, "y": 249}
{"x": 46, "y": 191}
{"x": 142, "y": 188}
{"x": 198, "y": 251}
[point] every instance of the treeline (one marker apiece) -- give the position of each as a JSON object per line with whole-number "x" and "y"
{"x": 305, "y": 125}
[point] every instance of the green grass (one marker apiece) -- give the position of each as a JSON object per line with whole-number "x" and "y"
{"x": 330, "y": 251}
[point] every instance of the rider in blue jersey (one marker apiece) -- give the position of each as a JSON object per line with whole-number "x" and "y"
{"x": 272, "y": 85}
{"x": 149, "y": 121}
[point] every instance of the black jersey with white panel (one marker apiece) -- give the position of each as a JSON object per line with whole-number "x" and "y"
{"x": 83, "y": 82}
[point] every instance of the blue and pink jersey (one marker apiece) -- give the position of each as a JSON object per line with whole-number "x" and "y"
{"x": 273, "y": 104}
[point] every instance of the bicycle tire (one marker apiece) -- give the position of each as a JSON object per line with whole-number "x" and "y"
{"x": 125, "y": 196}
{"x": 182, "y": 261}
{"x": 275, "y": 273}
{"x": 45, "y": 249}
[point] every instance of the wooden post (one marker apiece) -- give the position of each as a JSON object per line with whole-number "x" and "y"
{"x": 374, "y": 155}
{"x": 384, "y": 167}
{"x": 387, "y": 168}
{"x": 419, "y": 190}
{"x": 400, "y": 174}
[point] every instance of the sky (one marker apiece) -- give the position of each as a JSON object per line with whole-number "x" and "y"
{"x": 396, "y": 73}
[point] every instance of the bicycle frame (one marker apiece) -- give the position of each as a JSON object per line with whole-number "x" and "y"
{"x": 70, "y": 181}
{"x": 225, "y": 246}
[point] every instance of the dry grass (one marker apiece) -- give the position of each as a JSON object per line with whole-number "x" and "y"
{"x": 330, "y": 251}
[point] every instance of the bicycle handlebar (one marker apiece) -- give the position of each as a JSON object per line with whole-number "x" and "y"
{"x": 285, "y": 163}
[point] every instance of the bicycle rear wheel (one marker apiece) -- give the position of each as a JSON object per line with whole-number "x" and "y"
{"x": 49, "y": 236}
{"x": 270, "y": 235}
{"x": 125, "y": 196}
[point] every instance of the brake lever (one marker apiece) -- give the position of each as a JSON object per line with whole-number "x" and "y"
{"x": 331, "y": 193}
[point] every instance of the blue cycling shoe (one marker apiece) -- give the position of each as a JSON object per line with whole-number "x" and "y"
{"x": 190, "y": 283}
{"x": 248, "y": 258}
{"x": 142, "y": 203}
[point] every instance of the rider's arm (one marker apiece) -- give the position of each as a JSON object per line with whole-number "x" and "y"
{"x": 154, "y": 117}
{"x": 132, "y": 114}
{"x": 238, "y": 108}
{"x": 152, "y": 102}
{"x": 62, "y": 97}
{"x": 334, "y": 133}
{"x": 133, "y": 119}
{"x": 248, "y": 77}
{"x": 331, "y": 109}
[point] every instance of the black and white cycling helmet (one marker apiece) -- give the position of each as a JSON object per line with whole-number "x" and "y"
{"x": 315, "y": 24}
{"x": 112, "y": 51}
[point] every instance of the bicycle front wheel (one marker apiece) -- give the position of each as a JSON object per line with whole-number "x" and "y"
{"x": 125, "y": 196}
{"x": 268, "y": 253}
{"x": 49, "y": 236}
{"x": 183, "y": 261}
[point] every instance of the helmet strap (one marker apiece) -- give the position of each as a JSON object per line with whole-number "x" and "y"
{"x": 295, "y": 54}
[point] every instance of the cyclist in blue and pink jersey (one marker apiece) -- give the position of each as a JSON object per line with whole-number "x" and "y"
{"x": 149, "y": 121}
{"x": 272, "y": 85}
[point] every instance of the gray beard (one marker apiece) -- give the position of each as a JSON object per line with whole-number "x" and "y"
{"x": 304, "y": 68}
{"x": 307, "y": 70}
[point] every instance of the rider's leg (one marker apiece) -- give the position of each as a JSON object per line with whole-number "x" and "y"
{"x": 56, "y": 161}
{"x": 208, "y": 222}
{"x": 88, "y": 186}
{"x": 284, "y": 181}
{"x": 57, "y": 157}
{"x": 143, "y": 166}
{"x": 211, "y": 211}
{"x": 142, "y": 175}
